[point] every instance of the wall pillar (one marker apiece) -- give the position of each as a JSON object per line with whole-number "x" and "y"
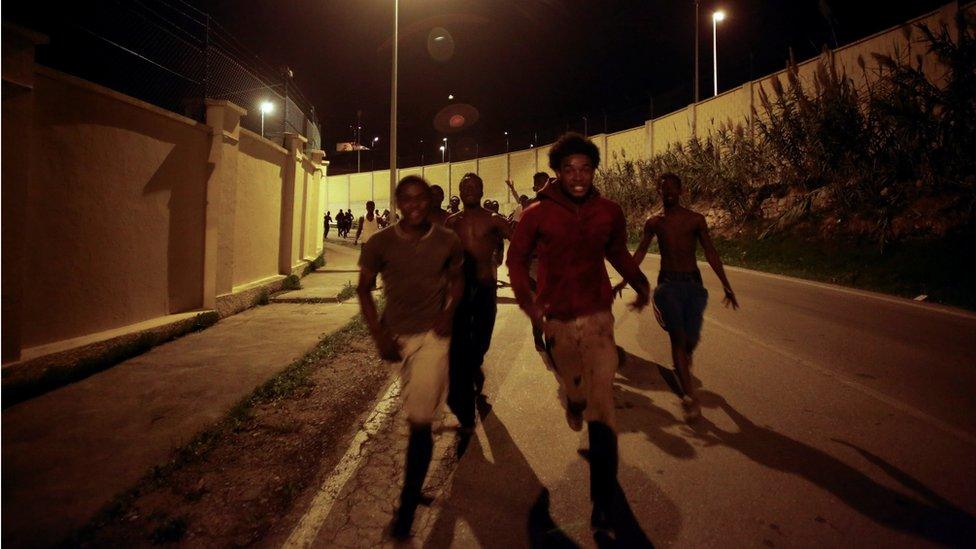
{"x": 316, "y": 158}
{"x": 18, "y": 138}
{"x": 291, "y": 205}
{"x": 224, "y": 119}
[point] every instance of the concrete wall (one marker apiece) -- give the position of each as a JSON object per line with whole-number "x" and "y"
{"x": 260, "y": 168}
{"x": 118, "y": 212}
{"x": 115, "y": 208}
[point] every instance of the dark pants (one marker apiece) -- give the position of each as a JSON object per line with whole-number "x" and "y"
{"x": 474, "y": 321}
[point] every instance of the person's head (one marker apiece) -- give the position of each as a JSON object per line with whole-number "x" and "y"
{"x": 575, "y": 159}
{"x": 413, "y": 199}
{"x": 524, "y": 200}
{"x": 437, "y": 195}
{"x": 328, "y": 212}
{"x": 471, "y": 189}
{"x": 539, "y": 181}
{"x": 370, "y": 206}
{"x": 669, "y": 185}
{"x": 455, "y": 202}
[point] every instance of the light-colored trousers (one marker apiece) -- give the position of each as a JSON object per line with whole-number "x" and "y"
{"x": 585, "y": 357}
{"x": 423, "y": 374}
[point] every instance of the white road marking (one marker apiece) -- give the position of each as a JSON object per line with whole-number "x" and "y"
{"x": 308, "y": 528}
{"x": 840, "y": 378}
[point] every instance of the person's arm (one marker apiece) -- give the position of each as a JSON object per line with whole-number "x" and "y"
{"x": 359, "y": 231}
{"x": 511, "y": 189}
{"x": 455, "y": 290}
{"x": 618, "y": 256}
{"x": 711, "y": 254}
{"x": 519, "y": 258}
{"x": 641, "y": 252}
{"x": 387, "y": 346}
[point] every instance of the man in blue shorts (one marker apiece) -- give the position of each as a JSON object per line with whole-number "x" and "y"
{"x": 680, "y": 296}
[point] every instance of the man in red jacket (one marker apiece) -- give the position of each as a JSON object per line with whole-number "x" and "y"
{"x": 572, "y": 229}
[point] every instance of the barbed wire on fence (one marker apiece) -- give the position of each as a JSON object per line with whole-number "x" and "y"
{"x": 171, "y": 54}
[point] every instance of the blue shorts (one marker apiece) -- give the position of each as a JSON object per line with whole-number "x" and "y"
{"x": 681, "y": 305}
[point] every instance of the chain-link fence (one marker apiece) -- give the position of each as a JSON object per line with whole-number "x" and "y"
{"x": 173, "y": 55}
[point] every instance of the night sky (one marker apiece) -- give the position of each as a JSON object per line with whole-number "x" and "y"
{"x": 530, "y": 67}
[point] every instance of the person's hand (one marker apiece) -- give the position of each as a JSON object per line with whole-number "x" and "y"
{"x": 642, "y": 300}
{"x": 618, "y": 290}
{"x": 444, "y": 324}
{"x": 730, "y": 299}
{"x": 388, "y": 347}
{"x": 538, "y": 319}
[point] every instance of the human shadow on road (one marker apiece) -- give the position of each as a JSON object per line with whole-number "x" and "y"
{"x": 935, "y": 520}
{"x": 501, "y": 499}
{"x": 637, "y": 412}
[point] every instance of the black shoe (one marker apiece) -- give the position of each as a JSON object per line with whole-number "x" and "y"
{"x": 401, "y": 524}
{"x": 600, "y": 520}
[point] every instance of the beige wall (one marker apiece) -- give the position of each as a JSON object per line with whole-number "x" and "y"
{"x": 131, "y": 213}
{"x": 260, "y": 166}
{"x": 115, "y": 212}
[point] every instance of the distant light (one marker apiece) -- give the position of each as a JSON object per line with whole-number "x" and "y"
{"x": 719, "y": 15}
{"x": 375, "y": 139}
{"x": 456, "y": 121}
{"x": 439, "y": 38}
{"x": 444, "y": 140}
{"x": 267, "y": 107}
{"x": 531, "y": 145}
{"x": 450, "y": 96}
{"x": 506, "y": 133}
{"x": 442, "y": 148}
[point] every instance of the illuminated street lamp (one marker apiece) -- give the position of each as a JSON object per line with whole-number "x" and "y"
{"x": 716, "y": 18}
{"x": 267, "y": 107}
{"x": 442, "y": 154}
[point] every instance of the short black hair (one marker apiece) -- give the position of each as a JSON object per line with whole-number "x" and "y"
{"x": 540, "y": 175}
{"x": 571, "y": 143}
{"x": 472, "y": 175}
{"x": 669, "y": 176}
{"x": 370, "y": 202}
{"x": 412, "y": 180}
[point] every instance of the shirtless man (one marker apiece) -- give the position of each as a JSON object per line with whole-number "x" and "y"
{"x": 680, "y": 296}
{"x": 455, "y": 205}
{"x": 481, "y": 233}
{"x": 438, "y": 214}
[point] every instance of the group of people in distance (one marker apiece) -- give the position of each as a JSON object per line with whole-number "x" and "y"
{"x": 369, "y": 224}
{"x": 440, "y": 284}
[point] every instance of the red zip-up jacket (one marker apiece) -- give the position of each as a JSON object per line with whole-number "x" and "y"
{"x": 571, "y": 241}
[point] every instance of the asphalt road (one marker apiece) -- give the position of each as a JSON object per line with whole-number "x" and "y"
{"x": 832, "y": 417}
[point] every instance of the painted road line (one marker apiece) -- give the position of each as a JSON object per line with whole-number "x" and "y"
{"x": 308, "y": 527}
{"x": 877, "y": 395}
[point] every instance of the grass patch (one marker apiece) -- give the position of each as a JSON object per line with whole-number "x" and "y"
{"x": 292, "y": 282}
{"x": 939, "y": 269}
{"x": 283, "y": 385}
{"x": 936, "y": 268}
{"x": 346, "y": 292}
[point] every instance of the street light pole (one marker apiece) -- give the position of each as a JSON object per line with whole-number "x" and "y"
{"x": 697, "y": 19}
{"x": 716, "y": 17}
{"x": 393, "y": 111}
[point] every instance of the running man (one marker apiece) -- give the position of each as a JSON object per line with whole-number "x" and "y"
{"x": 481, "y": 233}
{"x": 422, "y": 283}
{"x": 680, "y": 296}
{"x": 369, "y": 224}
{"x": 573, "y": 229}
{"x": 437, "y": 212}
